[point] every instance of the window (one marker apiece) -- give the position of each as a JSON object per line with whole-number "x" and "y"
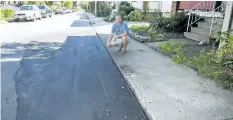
{"x": 26, "y": 8}
{"x": 41, "y": 7}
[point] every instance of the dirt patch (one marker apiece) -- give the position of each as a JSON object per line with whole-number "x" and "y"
{"x": 191, "y": 47}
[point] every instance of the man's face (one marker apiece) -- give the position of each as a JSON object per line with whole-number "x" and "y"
{"x": 118, "y": 19}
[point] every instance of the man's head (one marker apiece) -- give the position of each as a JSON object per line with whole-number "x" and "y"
{"x": 118, "y": 18}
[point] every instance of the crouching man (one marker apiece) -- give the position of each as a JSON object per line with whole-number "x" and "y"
{"x": 119, "y": 35}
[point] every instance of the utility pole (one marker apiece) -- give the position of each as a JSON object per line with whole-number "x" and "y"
{"x": 95, "y": 7}
{"x": 87, "y": 5}
{"x": 117, "y": 6}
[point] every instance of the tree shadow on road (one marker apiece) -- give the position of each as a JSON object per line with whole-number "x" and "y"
{"x": 11, "y": 55}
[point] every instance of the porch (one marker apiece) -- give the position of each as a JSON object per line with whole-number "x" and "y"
{"x": 206, "y": 18}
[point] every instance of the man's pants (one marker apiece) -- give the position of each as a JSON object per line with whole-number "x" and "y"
{"x": 118, "y": 41}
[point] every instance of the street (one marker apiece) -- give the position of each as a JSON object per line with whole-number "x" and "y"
{"x": 58, "y": 69}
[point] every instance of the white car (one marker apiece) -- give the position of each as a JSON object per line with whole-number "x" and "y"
{"x": 27, "y": 12}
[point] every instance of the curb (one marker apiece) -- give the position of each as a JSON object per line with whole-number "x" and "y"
{"x": 131, "y": 89}
{"x": 3, "y": 22}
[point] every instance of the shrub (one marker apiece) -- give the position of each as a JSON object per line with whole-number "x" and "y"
{"x": 83, "y": 5}
{"x": 126, "y": 9}
{"x": 167, "y": 46}
{"x": 154, "y": 36}
{"x": 122, "y": 13}
{"x": 124, "y": 3}
{"x": 215, "y": 64}
{"x": 6, "y": 13}
{"x": 68, "y": 4}
{"x": 173, "y": 24}
{"x": 113, "y": 15}
{"x": 139, "y": 28}
{"x": 146, "y": 10}
{"x": 135, "y": 15}
{"x": 52, "y": 7}
{"x": 103, "y": 10}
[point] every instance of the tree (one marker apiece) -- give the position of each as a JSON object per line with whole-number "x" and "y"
{"x": 49, "y": 3}
{"x": 124, "y": 3}
{"x": 34, "y": 2}
{"x": 68, "y": 4}
{"x": 146, "y": 9}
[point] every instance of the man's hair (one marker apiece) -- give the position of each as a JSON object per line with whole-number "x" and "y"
{"x": 118, "y": 15}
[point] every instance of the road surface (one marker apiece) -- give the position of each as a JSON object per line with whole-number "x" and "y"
{"x": 58, "y": 69}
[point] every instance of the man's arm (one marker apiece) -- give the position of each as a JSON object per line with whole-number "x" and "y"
{"x": 110, "y": 37}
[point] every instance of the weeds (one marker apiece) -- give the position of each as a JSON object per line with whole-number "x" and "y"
{"x": 215, "y": 64}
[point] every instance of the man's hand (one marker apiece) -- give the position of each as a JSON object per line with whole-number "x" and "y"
{"x": 115, "y": 37}
{"x": 108, "y": 45}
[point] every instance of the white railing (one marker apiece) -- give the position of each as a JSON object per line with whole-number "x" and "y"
{"x": 202, "y": 9}
{"x": 216, "y": 23}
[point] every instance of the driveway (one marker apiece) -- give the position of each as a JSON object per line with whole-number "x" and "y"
{"x": 58, "y": 69}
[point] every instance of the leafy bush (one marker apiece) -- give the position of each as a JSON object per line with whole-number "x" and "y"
{"x": 126, "y": 9}
{"x": 104, "y": 11}
{"x": 174, "y": 24}
{"x": 113, "y": 15}
{"x": 68, "y": 4}
{"x": 167, "y": 46}
{"x": 52, "y": 7}
{"x": 84, "y": 6}
{"x": 124, "y": 3}
{"x": 122, "y": 13}
{"x": 146, "y": 10}
{"x": 6, "y": 13}
{"x": 215, "y": 64}
{"x": 154, "y": 36}
{"x": 135, "y": 15}
{"x": 139, "y": 28}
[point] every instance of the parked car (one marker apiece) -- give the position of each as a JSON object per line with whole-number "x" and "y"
{"x": 59, "y": 11}
{"x": 70, "y": 11}
{"x": 45, "y": 11}
{"x": 27, "y": 12}
{"x": 74, "y": 10}
{"x": 65, "y": 10}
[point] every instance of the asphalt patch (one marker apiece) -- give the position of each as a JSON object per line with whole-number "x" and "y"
{"x": 79, "y": 81}
{"x": 81, "y": 23}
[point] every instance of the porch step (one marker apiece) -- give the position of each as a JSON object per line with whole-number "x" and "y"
{"x": 216, "y": 20}
{"x": 208, "y": 14}
{"x": 206, "y": 26}
{"x": 200, "y": 31}
{"x": 196, "y": 37}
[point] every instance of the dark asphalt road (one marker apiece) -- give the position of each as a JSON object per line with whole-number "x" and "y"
{"x": 78, "y": 81}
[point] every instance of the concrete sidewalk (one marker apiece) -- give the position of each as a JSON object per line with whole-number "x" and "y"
{"x": 166, "y": 90}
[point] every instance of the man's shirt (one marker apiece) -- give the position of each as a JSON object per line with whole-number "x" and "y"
{"x": 119, "y": 28}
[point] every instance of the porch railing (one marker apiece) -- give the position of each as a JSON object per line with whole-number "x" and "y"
{"x": 207, "y": 9}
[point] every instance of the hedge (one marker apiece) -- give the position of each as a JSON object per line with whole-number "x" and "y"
{"x": 6, "y": 13}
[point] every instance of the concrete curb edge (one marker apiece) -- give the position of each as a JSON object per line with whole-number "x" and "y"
{"x": 132, "y": 90}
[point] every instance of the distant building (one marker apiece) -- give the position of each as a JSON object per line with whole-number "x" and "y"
{"x": 160, "y": 6}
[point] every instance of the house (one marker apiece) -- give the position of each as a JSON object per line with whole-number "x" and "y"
{"x": 216, "y": 16}
{"x": 160, "y": 6}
